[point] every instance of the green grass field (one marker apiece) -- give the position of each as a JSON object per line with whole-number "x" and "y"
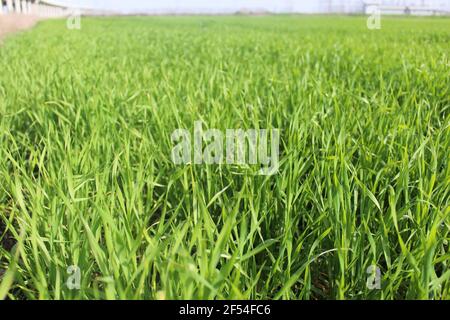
{"x": 87, "y": 180}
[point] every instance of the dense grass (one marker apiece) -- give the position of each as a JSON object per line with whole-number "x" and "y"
{"x": 86, "y": 177}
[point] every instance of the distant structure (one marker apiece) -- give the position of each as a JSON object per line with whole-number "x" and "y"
{"x": 394, "y": 7}
{"x": 409, "y": 7}
{"x": 33, "y": 7}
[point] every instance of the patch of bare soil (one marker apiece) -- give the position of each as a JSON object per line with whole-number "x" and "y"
{"x": 16, "y": 22}
{"x": 6, "y": 243}
{"x": 6, "y": 239}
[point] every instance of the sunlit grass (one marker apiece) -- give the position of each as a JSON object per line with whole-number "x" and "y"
{"x": 86, "y": 177}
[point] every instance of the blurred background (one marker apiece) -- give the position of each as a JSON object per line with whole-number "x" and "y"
{"x": 59, "y": 7}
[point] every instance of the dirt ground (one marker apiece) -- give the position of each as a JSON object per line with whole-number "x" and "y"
{"x": 13, "y": 23}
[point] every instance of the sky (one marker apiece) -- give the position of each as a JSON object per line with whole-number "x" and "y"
{"x": 226, "y": 6}
{"x": 212, "y": 5}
